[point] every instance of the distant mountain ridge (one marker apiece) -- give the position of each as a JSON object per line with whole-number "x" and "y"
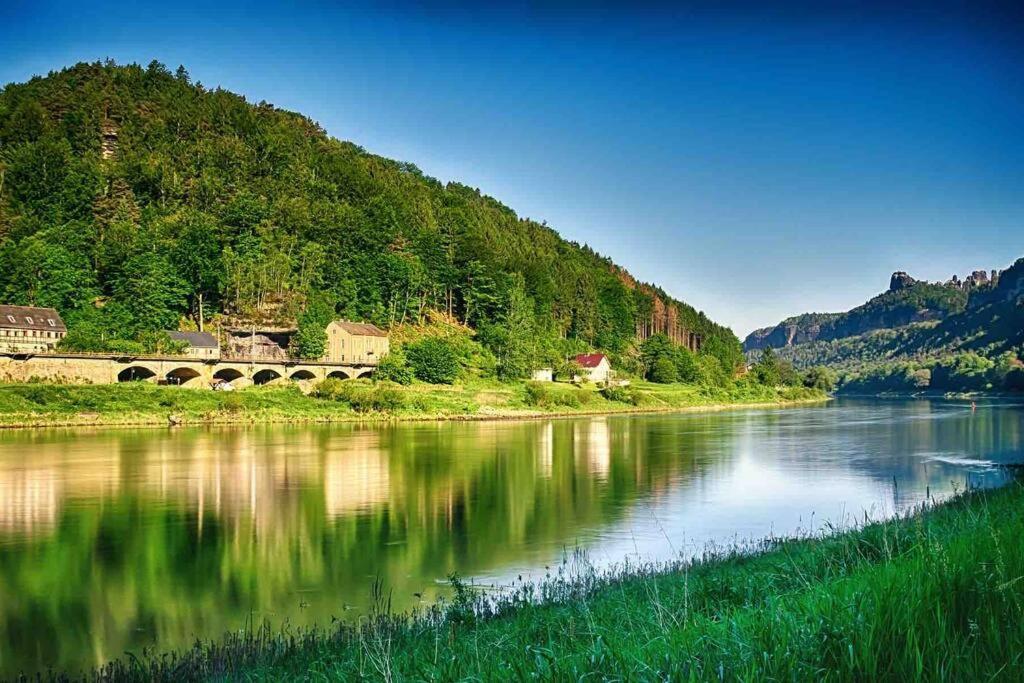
{"x": 907, "y": 301}
{"x": 913, "y": 322}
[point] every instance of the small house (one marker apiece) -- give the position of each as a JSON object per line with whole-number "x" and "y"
{"x": 200, "y": 345}
{"x": 543, "y": 375}
{"x": 349, "y": 342}
{"x": 28, "y": 329}
{"x": 595, "y": 367}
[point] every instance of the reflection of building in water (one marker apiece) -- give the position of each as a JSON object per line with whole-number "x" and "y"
{"x": 545, "y": 449}
{"x": 593, "y": 444}
{"x": 29, "y": 500}
{"x": 356, "y": 475}
{"x": 35, "y": 486}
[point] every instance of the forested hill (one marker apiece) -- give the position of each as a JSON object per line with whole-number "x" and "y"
{"x": 131, "y": 196}
{"x": 906, "y": 301}
{"x": 979, "y": 347}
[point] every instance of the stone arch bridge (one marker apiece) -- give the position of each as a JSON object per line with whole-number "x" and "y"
{"x": 177, "y": 370}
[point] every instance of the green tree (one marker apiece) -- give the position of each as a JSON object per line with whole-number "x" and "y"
{"x": 664, "y": 371}
{"x": 766, "y": 370}
{"x": 433, "y": 360}
{"x": 819, "y": 377}
{"x": 310, "y": 340}
{"x": 394, "y": 367}
{"x": 151, "y": 293}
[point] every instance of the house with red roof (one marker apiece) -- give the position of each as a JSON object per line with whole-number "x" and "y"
{"x": 596, "y": 366}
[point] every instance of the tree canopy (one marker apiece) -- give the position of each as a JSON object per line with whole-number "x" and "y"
{"x": 132, "y": 197}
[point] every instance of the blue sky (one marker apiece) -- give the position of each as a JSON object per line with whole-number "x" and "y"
{"x": 756, "y": 163}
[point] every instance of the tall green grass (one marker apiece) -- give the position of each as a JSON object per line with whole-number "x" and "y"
{"x": 937, "y": 596}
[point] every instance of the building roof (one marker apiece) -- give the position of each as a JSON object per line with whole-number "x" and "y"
{"x": 590, "y": 360}
{"x": 361, "y": 329}
{"x": 199, "y": 340}
{"x": 31, "y": 318}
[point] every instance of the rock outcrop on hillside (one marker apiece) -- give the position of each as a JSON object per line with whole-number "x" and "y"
{"x": 906, "y": 301}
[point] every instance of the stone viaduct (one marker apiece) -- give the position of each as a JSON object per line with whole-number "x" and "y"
{"x": 178, "y": 370}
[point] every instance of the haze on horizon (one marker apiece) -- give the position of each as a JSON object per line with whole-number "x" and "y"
{"x": 754, "y": 163}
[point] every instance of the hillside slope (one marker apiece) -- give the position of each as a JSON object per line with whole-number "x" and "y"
{"x": 132, "y": 199}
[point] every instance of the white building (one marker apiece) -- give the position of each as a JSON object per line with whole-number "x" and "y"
{"x": 596, "y": 367}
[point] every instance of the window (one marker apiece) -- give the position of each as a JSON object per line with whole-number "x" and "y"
{"x": 50, "y": 322}
{"x": 11, "y": 318}
{"x": 29, "y": 320}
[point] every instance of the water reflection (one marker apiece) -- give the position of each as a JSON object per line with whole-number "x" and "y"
{"x": 113, "y": 540}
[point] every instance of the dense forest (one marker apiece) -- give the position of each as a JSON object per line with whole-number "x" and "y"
{"x": 975, "y": 346}
{"x": 134, "y": 200}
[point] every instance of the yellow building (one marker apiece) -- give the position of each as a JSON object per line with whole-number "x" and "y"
{"x": 355, "y": 343}
{"x": 26, "y": 329}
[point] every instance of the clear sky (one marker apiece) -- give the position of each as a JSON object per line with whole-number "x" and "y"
{"x": 755, "y": 162}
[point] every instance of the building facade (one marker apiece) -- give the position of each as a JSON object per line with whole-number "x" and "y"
{"x": 349, "y": 342}
{"x": 27, "y": 329}
{"x": 595, "y": 367}
{"x": 202, "y": 345}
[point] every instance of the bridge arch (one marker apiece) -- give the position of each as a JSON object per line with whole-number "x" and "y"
{"x": 302, "y": 374}
{"x": 264, "y": 376}
{"x": 365, "y": 372}
{"x": 339, "y": 374}
{"x": 135, "y": 373}
{"x": 182, "y": 376}
{"x": 228, "y": 375}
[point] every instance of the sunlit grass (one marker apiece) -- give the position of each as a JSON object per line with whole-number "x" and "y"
{"x": 143, "y": 403}
{"x": 937, "y": 595}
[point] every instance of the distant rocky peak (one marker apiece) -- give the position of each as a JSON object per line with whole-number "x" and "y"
{"x": 900, "y": 280}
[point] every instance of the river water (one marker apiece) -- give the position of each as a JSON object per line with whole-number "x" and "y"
{"x": 115, "y": 540}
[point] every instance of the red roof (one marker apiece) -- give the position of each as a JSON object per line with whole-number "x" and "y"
{"x": 590, "y": 360}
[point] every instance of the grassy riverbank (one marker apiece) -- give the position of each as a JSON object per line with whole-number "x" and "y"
{"x": 37, "y": 405}
{"x": 937, "y": 595}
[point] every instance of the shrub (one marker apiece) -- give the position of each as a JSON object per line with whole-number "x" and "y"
{"x": 231, "y": 402}
{"x": 328, "y": 389}
{"x": 569, "y": 399}
{"x": 433, "y": 360}
{"x": 360, "y": 396}
{"x": 537, "y": 394}
{"x": 394, "y": 368}
{"x": 664, "y": 371}
{"x": 617, "y": 394}
{"x": 710, "y": 372}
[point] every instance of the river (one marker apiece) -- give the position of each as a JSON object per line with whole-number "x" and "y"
{"x": 114, "y": 540}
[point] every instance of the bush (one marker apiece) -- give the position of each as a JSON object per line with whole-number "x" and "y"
{"x": 710, "y": 372}
{"x": 620, "y": 394}
{"x": 664, "y": 371}
{"x": 537, "y": 394}
{"x": 820, "y": 378}
{"x": 328, "y": 389}
{"x": 433, "y": 360}
{"x": 361, "y": 397}
{"x": 394, "y": 368}
{"x": 231, "y": 402}
{"x": 569, "y": 399}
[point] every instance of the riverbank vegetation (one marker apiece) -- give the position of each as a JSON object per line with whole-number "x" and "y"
{"x": 28, "y": 405}
{"x": 933, "y": 595}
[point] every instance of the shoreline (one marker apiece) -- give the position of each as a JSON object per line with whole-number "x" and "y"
{"x": 156, "y": 422}
{"x": 860, "y": 603}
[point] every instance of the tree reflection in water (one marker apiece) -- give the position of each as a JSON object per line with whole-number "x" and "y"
{"x": 113, "y": 540}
